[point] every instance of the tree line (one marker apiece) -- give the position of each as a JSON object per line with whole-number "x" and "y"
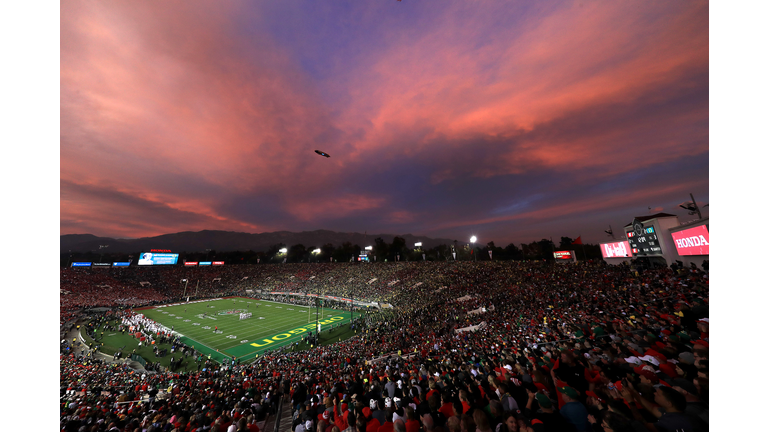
{"x": 382, "y": 251}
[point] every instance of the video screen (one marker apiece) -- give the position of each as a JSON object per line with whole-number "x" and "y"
{"x": 692, "y": 241}
{"x": 153, "y": 258}
{"x": 563, "y": 255}
{"x": 643, "y": 240}
{"x": 616, "y": 250}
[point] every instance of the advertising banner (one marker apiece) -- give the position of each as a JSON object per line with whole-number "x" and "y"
{"x": 81, "y": 264}
{"x": 218, "y": 263}
{"x": 121, "y": 264}
{"x": 190, "y": 263}
{"x": 692, "y": 241}
{"x": 204, "y": 263}
{"x": 152, "y": 258}
{"x": 563, "y": 255}
{"x": 616, "y": 250}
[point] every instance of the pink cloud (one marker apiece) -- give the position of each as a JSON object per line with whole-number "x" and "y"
{"x": 313, "y": 209}
{"x": 145, "y": 99}
{"x": 401, "y": 216}
{"x": 196, "y": 103}
{"x": 548, "y": 67}
{"x": 127, "y": 212}
{"x": 585, "y": 205}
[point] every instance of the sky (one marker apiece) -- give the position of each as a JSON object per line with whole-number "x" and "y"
{"x": 509, "y": 120}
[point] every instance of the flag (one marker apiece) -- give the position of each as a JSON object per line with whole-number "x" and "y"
{"x": 577, "y": 241}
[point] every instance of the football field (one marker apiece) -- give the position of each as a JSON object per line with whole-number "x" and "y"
{"x": 214, "y": 326}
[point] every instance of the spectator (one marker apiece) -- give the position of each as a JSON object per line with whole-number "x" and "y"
{"x": 573, "y": 410}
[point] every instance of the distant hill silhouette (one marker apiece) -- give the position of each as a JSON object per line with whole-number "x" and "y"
{"x": 228, "y": 241}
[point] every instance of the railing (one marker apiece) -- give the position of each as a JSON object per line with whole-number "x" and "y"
{"x": 279, "y": 414}
{"x": 139, "y": 359}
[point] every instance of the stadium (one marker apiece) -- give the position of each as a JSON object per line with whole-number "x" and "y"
{"x": 467, "y": 340}
{"x": 291, "y": 216}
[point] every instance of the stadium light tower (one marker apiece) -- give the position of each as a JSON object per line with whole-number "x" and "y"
{"x": 692, "y": 206}
{"x": 368, "y": 250}
{"x": 472, "y": 240}
{"x": 101, "y": 254}
{"x": 316, "y": 252}
{"x": 186, "y": 282}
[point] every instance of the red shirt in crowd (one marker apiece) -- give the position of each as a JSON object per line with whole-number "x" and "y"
{"x": 372, "y": 426}
{"x": 387, "y": 427}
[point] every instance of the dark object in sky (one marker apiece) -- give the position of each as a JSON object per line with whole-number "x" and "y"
{"x": 322, "y": 153}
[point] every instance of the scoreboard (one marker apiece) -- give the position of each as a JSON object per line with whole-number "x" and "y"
{"x": 643, "y": 240}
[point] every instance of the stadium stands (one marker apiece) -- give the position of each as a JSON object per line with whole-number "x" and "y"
{"x": 558, "y": 347}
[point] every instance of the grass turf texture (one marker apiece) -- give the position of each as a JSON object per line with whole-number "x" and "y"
{"x": 117, "y": 341}
{"x": 272, "y": 325}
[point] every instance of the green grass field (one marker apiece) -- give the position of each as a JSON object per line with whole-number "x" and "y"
{"x": 272, "y": 325}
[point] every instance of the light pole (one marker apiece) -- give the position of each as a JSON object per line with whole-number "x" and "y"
{"x": 101, "y": 254}
{"x": 472, "y": 240}
{"x": 316, "y": 252}
{"x": 317, "y": 318}
{"x": 186, "y": 282}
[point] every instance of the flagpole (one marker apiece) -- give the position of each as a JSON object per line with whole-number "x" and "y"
{"x": 582, "y": 248}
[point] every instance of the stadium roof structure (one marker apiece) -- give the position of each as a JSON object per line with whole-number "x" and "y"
{"x": 649, "y": 217}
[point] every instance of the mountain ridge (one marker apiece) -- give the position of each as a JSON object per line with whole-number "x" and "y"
{"x": 230, "y": 241}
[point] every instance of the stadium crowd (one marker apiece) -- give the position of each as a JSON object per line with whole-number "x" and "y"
{"x": 577, "y": 347}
